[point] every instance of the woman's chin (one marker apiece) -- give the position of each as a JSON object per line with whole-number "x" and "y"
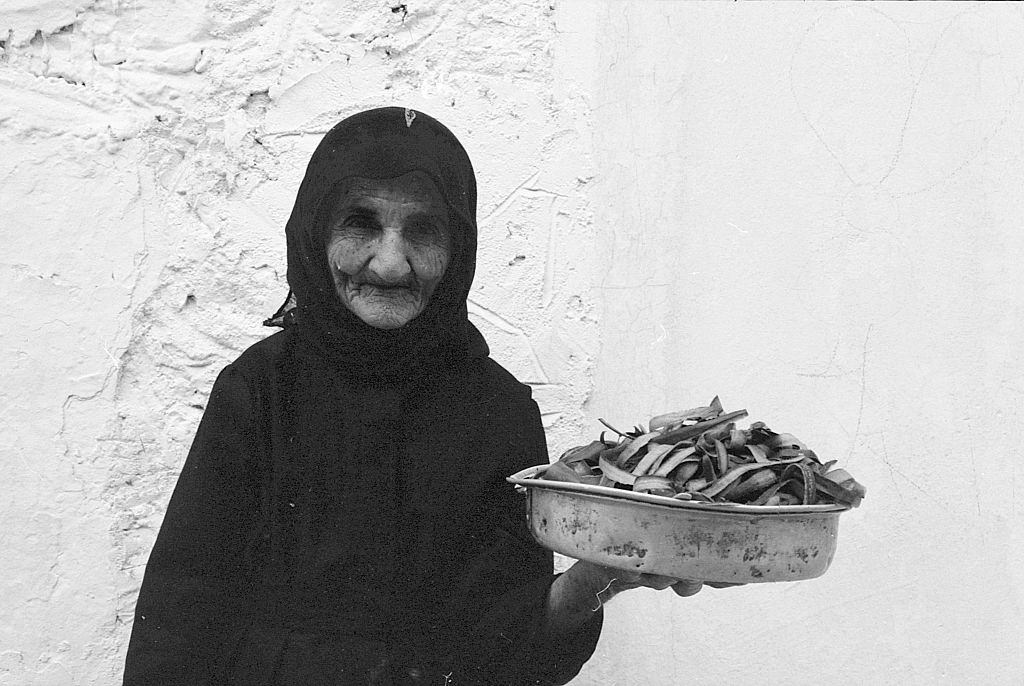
{"x": 385, "y": 317}
{"x": 383, "y": 309}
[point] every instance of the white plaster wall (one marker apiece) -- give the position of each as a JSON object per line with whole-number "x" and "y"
{"x": 814, "y": 210}
{"x": 811, "y": 210}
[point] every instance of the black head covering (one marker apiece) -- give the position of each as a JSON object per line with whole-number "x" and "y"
{"x": 382, "y": 144}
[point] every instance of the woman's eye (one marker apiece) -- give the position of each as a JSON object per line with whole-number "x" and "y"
{"x": 427, "y": 232}
{"x": 358, "y": 223}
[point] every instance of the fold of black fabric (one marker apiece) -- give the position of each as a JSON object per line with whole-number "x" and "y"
{"x": 358, "y": 515}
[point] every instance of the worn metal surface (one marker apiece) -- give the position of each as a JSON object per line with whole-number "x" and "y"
{"x": 683, "y": 543}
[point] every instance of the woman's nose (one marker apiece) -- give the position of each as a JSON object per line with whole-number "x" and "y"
{"x": 390, "y": 260}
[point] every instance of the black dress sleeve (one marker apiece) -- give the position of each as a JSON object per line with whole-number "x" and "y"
{"x": 193, "y": 594}
{"x": 509, "y": 584}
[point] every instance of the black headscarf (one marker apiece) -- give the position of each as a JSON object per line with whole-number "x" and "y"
{"x": 382, "y": 143}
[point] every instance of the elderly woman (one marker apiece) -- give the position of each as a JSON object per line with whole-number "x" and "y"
{"x": 342, "y": 517}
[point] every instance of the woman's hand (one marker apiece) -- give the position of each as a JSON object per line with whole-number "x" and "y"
{"x": 585, "y": 587}
{"x": 624, "y": 581}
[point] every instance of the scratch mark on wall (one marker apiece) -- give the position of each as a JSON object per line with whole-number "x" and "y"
{"x": 536, "y": 191}
{"x": 293, "y": 132}
{"x": 634, "y": 286}
{"x": 913, "y": 97}
{"x": 493, "y": 318}
{"x": 547, "y": 289}
{"x": 863, "y": 386}
{"x": 895, "y": 470}
{"x": 937, "y": 501}
{"x": 549, "y": 418}
{"x": 509, "y": 199}
{"x": 974, "y": 465}
{"x": 799, "y": 106}
{"x": 825, "y": 372}
{"x": 892, "y": 470}
{"x": 977, "y": 151}
{"x": 502, "y": 324}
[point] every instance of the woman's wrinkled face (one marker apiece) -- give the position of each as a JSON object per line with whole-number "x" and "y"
{"x": 388, "y": 248}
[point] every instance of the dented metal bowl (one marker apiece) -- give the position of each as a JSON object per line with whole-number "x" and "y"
{"x": 686, "y": 540}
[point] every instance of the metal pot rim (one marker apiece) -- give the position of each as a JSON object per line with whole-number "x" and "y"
{"x": 526, "y": 479}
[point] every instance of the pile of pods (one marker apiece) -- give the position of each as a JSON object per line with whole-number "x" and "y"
{"x": 700, "y": 455}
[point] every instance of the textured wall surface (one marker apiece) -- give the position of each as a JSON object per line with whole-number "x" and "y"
{"x": 813, "y": 211}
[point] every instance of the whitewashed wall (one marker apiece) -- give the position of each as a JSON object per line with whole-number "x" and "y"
{"x": 813, "y": 211}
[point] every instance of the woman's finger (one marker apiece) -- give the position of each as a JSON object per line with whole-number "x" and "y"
{"x": 656, "y": 581}
{"x": 625, "y": 576}
{"x": 687, "y": 587}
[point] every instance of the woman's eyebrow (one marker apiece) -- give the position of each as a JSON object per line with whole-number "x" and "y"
{"x": 359, "y": 209}
{"x": 435, "y": 216}
{"x": 362, "y": 210}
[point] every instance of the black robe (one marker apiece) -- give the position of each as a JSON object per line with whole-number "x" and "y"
{"x": 342, "y": 516}
{"x": 322, "y": 528}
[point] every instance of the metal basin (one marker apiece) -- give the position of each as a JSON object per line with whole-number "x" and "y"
{"x": 686, "y": 540}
